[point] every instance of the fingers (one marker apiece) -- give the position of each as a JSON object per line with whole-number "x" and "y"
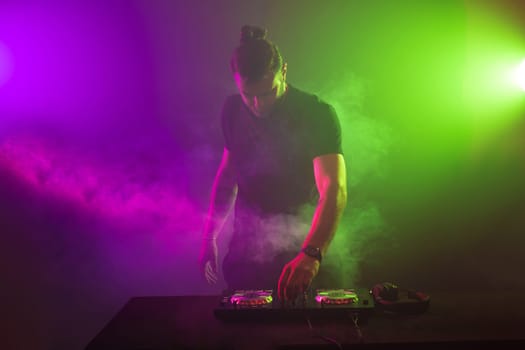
{"x": 296, "y": 286}
{"x": 210, "y": 273}
{"x": 283, "y": 282}
{"x": 292, "y": 283}
{"x": 208, "y": 261}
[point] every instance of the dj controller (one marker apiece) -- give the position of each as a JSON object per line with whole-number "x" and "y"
{"x": 264, "y": 305}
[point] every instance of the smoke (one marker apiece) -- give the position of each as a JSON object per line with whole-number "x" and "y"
{"x": 362, "y": 235}
{"x": 275, "y": 234}
{"x": 139, "y": 190}
{"x": 87, "y": 225}
{"x": 367, "y": 144}
{"x": 363, "y": 231}
{"x": 144, "y": 222}
{"x": 367, "y": 140}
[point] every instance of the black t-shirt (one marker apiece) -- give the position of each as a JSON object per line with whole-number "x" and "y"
{"x": 273, "y": 156}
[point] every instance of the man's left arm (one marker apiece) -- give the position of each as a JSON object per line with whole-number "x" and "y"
{"x": 330, "y": 178}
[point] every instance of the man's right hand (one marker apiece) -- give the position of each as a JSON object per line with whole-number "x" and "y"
{"x": 209, "y": 260}
{"x": 222, "y": 198}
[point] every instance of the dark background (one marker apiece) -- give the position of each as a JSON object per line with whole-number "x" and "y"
{"x": 110, "y": 138}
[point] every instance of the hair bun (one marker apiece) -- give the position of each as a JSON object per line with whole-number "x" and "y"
{"x": 249, "y": 33}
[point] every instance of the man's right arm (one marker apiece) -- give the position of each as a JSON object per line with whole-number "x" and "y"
{"x": 223, "y": 195}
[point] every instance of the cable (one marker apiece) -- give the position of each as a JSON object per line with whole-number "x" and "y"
{"x": 355, "y": 318}
{"x": 323, "y": 337}
{"x": 309, "y": 323}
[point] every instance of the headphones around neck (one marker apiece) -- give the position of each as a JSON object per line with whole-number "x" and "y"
{"x": 389, "y": 297}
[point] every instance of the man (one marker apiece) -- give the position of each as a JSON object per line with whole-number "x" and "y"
{"x": 282, "y": 153}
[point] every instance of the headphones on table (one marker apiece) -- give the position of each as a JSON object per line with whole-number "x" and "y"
{"x": 389, "y": 297}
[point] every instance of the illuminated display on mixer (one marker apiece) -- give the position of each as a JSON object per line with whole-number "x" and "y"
{"x": 336, "y": 296}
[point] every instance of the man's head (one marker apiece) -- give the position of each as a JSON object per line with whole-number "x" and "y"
{"x": 259, "y": 71}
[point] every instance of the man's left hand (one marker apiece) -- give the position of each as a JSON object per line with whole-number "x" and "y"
{"x": 297, "y": 276}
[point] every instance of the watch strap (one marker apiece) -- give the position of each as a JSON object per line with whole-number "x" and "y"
{"x": 313, "y": 252}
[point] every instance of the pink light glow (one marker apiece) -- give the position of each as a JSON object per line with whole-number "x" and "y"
{"x": 6, "y": 64}
{"x": 105, "y": 191}
{"x": 79, "y": 59}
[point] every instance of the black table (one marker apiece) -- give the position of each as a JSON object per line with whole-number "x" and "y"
{"x": 454, "y": 320}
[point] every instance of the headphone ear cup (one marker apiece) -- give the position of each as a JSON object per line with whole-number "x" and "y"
{"x": 384, "y": 293}
{"x": 387, "y": 298}
{"x": 390, "y": 292}
{"x": 412, "y": 294}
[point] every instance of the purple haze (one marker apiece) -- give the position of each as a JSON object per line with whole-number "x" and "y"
{"x": 107, "y": 154}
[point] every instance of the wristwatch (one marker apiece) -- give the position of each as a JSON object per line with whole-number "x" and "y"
{"x": 313, "y": 252}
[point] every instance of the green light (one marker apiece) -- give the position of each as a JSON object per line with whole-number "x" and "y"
{"x": 519, "y": 75}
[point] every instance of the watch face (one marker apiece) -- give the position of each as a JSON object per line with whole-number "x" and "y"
{"x": 313, "y": 252}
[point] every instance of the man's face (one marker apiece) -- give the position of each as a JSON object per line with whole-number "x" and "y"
{"x": 260, "y": 96}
